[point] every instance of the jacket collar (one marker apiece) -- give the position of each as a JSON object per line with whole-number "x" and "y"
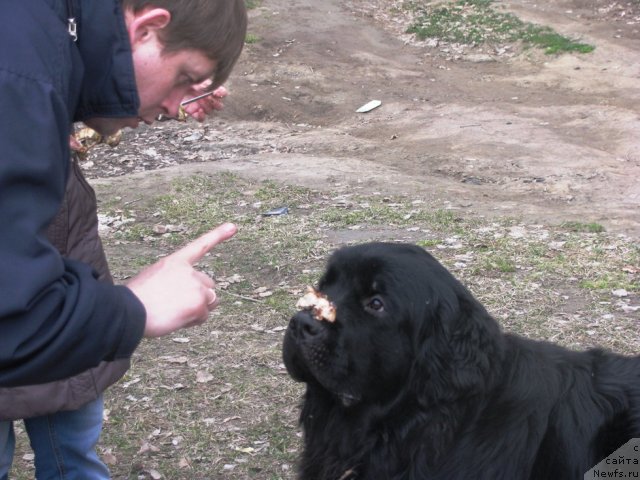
{"x": 108, "y": 86}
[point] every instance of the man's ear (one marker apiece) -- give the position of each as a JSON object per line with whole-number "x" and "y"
{"x": 145, "y": 24}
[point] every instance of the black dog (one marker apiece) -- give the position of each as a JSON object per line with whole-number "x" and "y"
{"x": 414, "y": 380}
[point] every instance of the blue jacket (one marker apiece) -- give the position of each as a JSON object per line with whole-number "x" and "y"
{"x": 56, "y": 319}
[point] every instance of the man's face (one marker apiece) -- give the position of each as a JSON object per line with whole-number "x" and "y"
{"x": 163, "y": 79}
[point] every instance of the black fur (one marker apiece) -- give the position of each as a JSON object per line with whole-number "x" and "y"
{"x": 430, "y": 388}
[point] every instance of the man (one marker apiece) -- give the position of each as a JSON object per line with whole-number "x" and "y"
{"x": 65, "y": 336}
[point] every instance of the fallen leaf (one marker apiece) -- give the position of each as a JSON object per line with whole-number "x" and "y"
{"x": 162, "y": 229}
{"x": 131, "y": 382}
{"x": 175, "y": 359}
{"x": 109, "y": 458}
{"x": 147, "y": 447}
{"x": 155, "y": 475}
{"x": 245, "y": 450}
{"x": 203, "y": 377}
{"x": 621, "y": 292}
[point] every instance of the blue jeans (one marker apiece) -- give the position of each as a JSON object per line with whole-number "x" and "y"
{"x": 63, "y": 444}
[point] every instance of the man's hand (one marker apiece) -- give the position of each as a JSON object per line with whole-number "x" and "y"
{"x": 174, "y": 294}
{"x": 203, "y": 107}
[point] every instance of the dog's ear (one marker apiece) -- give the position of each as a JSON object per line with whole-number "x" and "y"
{"x": 458, "y": 347}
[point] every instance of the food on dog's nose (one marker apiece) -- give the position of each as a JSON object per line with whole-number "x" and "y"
{"x": 320, "y": 306}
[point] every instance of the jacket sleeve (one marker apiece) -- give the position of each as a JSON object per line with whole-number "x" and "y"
{"x": 56, "y": 319}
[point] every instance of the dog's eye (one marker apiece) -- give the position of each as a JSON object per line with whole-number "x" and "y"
{"x": 376, "y": 304}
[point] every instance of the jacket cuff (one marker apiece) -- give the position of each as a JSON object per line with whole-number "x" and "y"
{"x": 134, "y": 319}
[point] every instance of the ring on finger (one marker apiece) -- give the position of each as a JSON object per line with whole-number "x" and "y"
{"x": 213, "y": 297}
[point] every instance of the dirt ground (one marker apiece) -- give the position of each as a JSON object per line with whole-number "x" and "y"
{"x": 488, "y": 131}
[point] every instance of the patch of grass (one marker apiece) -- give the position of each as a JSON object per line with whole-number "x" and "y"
{"x": 376, "y": 214}
{"x": 376, "y": 211}
{"x": 499, "y": 263}
{"x": 190, "y": 203}
{"x": 464, "y": 22}
{"x": 476, "y": 22}
{"x": 609, "y": 282}
{"x": 272, "y": 193}
{"x": 251, "y": 4}
{"x": 427, "y": 243}
{"x": 583, "y": 227}
{"x": 135, "y": 232}
{"x": 552, "y": 42}
{"x": 250, "y": 39}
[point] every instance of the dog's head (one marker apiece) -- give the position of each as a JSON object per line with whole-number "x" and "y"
{"x": 403, "y": 326}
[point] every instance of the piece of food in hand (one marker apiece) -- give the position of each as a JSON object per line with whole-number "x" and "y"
{"x": 320, "y": 306}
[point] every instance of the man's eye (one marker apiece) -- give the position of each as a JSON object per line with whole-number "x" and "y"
{"x": 186, "y": 80}
{"x": 376, "y": 304}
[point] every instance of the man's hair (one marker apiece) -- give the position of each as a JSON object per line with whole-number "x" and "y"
{"x": 216, "y": 28}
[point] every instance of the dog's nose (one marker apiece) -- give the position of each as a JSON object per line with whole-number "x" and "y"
{"x": 304, "y": 325}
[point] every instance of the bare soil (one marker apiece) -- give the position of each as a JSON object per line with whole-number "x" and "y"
{"x": 487, "y": 131}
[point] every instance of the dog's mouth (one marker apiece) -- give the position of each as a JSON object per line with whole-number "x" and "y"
{"x": 307, "y": 352}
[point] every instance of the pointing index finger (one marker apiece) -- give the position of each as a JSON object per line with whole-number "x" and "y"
{"x": 197, "y": 249}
